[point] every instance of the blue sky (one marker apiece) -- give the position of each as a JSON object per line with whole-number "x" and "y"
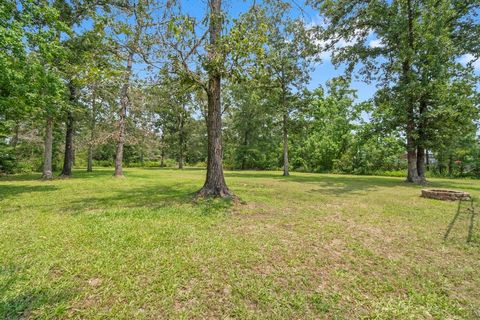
{"x": 323, "y": 71}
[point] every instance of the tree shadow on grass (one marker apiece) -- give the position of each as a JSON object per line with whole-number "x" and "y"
{"x": 151, "y": 197}
{"x": 21, "y": 305}
{"x": 7, "y": 191}
{"x": 334, "y": 185}
{"x": 21, "y": 177}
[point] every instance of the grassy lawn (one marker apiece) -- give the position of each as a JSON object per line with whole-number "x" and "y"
{"x": 305, "y": 247}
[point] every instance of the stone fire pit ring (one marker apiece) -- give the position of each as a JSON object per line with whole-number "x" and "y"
{"x": 442, "y": 194}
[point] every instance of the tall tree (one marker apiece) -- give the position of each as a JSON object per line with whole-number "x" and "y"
{"x": 420, "y": 42}
{"x": 132, "y": 24}
{"x": 209, "y": 52}
{"x": 286, "y": 61}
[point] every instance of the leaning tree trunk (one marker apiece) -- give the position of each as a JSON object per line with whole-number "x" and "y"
{"x": 47, "y": 157}
{"x": 215, "y": 184}
{"x": 68, "y": 157}
{"x": 122, "y": 118}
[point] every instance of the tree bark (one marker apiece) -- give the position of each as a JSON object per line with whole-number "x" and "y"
{"x": 412, "y": 175}
{"x": 421, "y": 163}
{"x": 450, "y": 165}
{"x": 14, "y": 141}
{"x": 93, "y": 124}
{"x": 215, "y": 184}
{"x": 162, "y": 152}
{"x": 181, "y": 141}
{"x": 427, "y": 160}
{"x": 245, "y": 145}
{"x": 421, "y": 142}
{"x": 122, "y": 118}
{"x": 68, "y": 156}
{"x": 285, "y": 145}
{"x": 48, "y": 150}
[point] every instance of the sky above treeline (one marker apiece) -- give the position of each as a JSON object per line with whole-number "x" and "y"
{"x": 322, "y": 72}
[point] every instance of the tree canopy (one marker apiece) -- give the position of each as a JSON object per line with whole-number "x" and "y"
{"x": 155, "y": 83}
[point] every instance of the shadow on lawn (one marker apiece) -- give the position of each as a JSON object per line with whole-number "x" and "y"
{"x": 14, "y": 190}
{"x": 20, "y": 306}
{"x": 151, "y": 197}
{"x": 332, "y": 185}
{"x": 466, "y": 208}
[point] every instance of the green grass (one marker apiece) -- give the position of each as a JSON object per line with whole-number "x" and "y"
{"x": 305, "y": 247}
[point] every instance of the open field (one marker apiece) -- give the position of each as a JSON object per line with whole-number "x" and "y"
{"x": 305, "y": 247}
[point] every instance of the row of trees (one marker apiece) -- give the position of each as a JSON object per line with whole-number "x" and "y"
{"x": 139, "y": 80}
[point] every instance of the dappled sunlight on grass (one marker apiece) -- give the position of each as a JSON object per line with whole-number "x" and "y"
{"x": 307, "y": 246}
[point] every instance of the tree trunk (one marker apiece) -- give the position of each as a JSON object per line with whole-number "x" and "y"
{"x": 245, "y": 145}
{"x": 47, "y": 157}
{"x": 450, "y": 165}
{"x": 93, "y": 124}
{"x": 215, "y": 181}
{"x": 285, "y": 145}
{"x": 421, "y": 163}
{"x": 162, "y": 152}
{"x": 68, "y": 157}
{"x": 181, "y": 142}
{"x": 421, "y": 140}
{"x": 14, "y": 141}
{"x": 122, "y": 118}
{"x": 412, "y": 175}
{"x": 90, "y": 158}
{"x": 427, "y": 160}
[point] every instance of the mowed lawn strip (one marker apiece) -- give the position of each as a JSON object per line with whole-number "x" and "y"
{"x": 309, "y": 246}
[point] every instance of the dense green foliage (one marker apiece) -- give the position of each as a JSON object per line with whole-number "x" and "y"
{"x": 116, "y": 72}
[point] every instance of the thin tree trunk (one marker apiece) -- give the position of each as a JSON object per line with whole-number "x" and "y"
{"x": 162, "y": 152}
{"x": 450, "y": 165}
{"x": 14, "y": 141}
{"x": 285, "y": 133}
{"x": 427, "y": 160}
{"x": 90, "y": 158}
{"x": 245, "y": 145}
{"x": 68, "y": 157}
{"x": 122, "y": 118}
{"x": 215, "y": 184}
{"x": 181, "y": 142}
{"x": 48, "y": 150}
{"x": 285, "y": 145}
{"x": 93, "y": 124}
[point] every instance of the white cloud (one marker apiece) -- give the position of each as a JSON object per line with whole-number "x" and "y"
{"x": 467, "y": 58}
{"x": 376, "y": 43}
{"x": 326, "y": 55}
